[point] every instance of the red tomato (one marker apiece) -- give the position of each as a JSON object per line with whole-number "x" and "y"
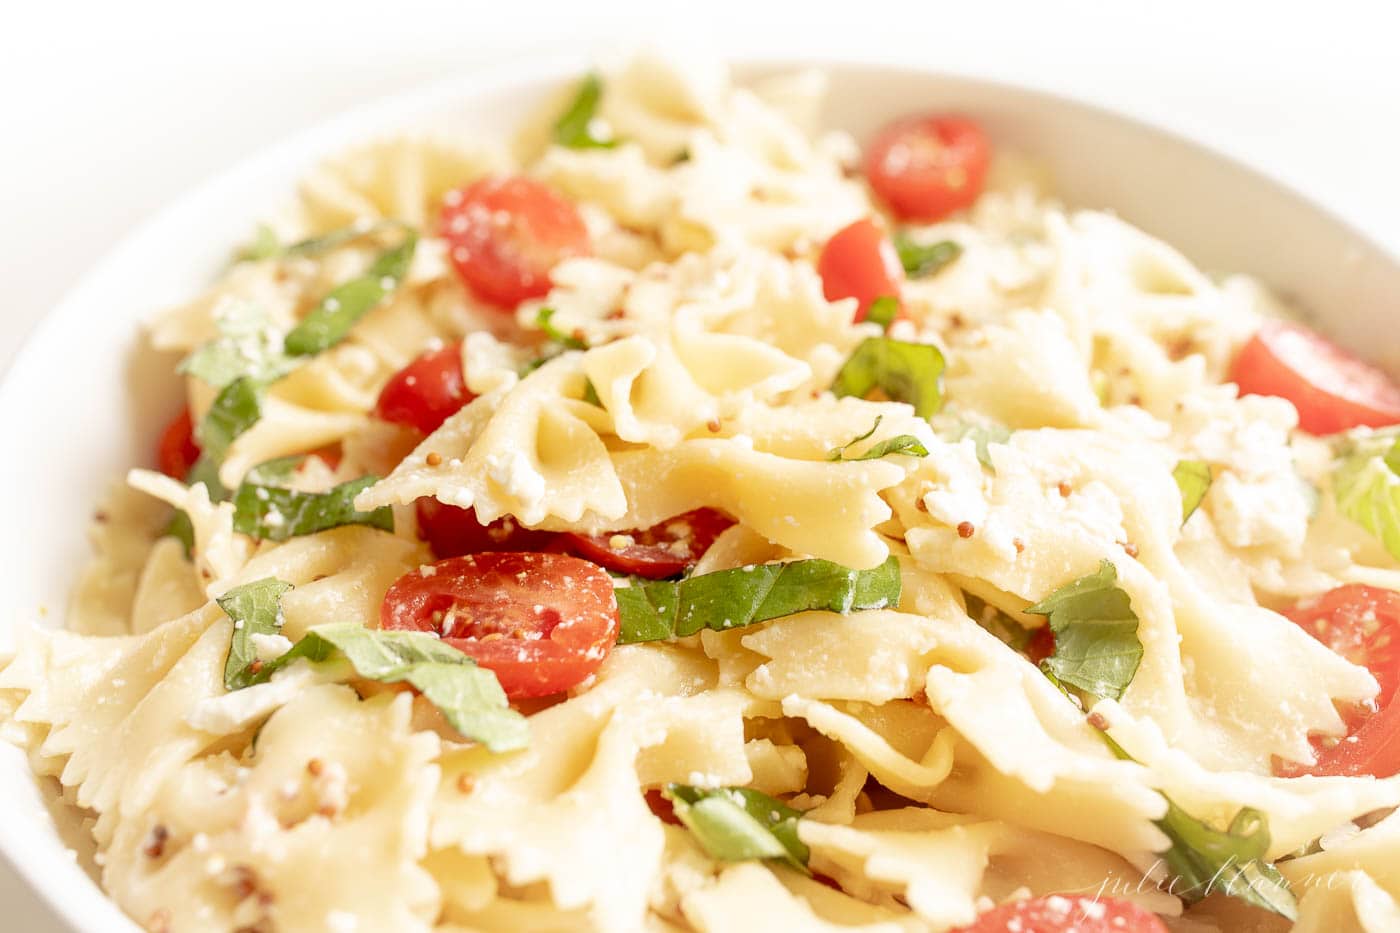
{"x": 860, "y": 262}
{"x": 542, "y": 622}
{"x": 505, "y": 234}
{"x": 427, "y": 391}
{"x": 926, "y": 167}
{"x": 178, "y": 451}
{"x": 663, "y": 550}
{"x": 1041, "y": 645}
{"x": 1332, "y": 390}
{"x": 661, "y": 808}
{"x": 1362, "y": 624}
{"x": 1069, "y": 913}
{"x": 330, "y": 455}
{"x": 453, "y": 532}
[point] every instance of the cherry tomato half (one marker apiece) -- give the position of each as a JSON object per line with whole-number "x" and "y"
{"x": 505, "y": 234}
{"x": 663, "y": 550}
{"x": 427, "y": 391}
{"x": 1067, "y": 914}
{"x": 178, "y": 451}
{"x": 453, "y": 532}
{"x": 859, "y": 262}
{"x": 1332, "y": 390}
{"x": 1362, "y": 624}
{"x": 542, "y": 622}
{"x": 926, "y": 167}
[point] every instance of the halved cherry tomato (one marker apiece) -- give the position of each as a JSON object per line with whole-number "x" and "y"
{"x": 1041, "y": 645}
{"x": 926, "y": 167}
{"x": 454, "y": 532}
{"x": 860, "y": 262}
{"x": 427, "y": 391}
{"x": 661, "y": 808}
{"x": 505, "y": 234}
{"x": 1332, "y": 390}
{"x": 178, "y": 451}
{"x": 542, "y": 622}
{"x": 330, "y": 455}
{"x": 663, "y": 550}
{"x": 1067, "y": 913}
{"x": 1362, "y": 624}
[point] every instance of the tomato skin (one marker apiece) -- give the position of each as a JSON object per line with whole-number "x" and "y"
{"x": 859, "y": 262}
{"x": 427, "y": 391}
{"x": 542, "y": 622}
{"x": 1332, "y": 390}
{"x": 504, "y": 235}
{"x": 663, "y": 550}
{"x": 454, "y": 532}
{"x": 1067, "y": 913}
{"x": 177, "y": 451}
{"x": 1362, "y": 624}
{"x": 928, "y": 166}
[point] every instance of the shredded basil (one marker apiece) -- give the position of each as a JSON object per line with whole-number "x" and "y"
{"x": 726, "y": 599}
{"x": 266, "y": 245}
{"x": 1366, "y": 484}
{"x": 921, "y": 260}
{"x": 883, "y": 311}
{"x": 983, "y": 436}
{"x": 330, "y": 321}
{"x": 906, "y": 444}
{"x": 1193, "y": 479}
{"x": 905, "y": 372}
{"x": 736, "y": 824}
{"x": 590, "y": 393}
{"x": 181, "y": 529}
{"x": 575, "y": 126}
{"x": 1012, "y": 633}
{"x": 256, "y": 609}
{"x": 1096, "y": 642}
{"x": 262, "y": 508}
{"x": 247, "y": 346}
{"x": 543, "y": 320}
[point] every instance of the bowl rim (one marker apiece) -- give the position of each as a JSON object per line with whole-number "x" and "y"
{"x": 45, "y": 864}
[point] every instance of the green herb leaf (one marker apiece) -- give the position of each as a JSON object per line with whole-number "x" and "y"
{"x": 1203, "y": 860}
{"x": 181, "y": 529}
{"x": 256, "y": 609}
{"x": 729, "y": 599}
{"x": 906, "y": 444}
{"x": 590, "y": 393}
{"x": 265, "y": 245}
{"x": 906, "y": 372}
{"x": 1003, "y": 626}
{"x": 330, "y": 321}
{"x": 273, "y": 513}
{"x": 1366, "y": 483}
{"x": 236, "y": 408}
{"x": 574, "y": 128}
{"x": 567, "y": 341}
{"x": 1096, "y": 643}
{"x": 736, "y": 824}
{"x": 247, "y": 346}
{"x": 1193, "y": 479}
{"x": 883, "y": 311}
{"x": 920, "y": 260}
{"x": 983, "y": 436}
{"x": 468, "y": 696}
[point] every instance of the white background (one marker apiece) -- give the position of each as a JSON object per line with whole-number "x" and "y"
{"x": 112, "y": 110}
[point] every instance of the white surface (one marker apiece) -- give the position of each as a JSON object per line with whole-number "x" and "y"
{"x": 117, "y": 111}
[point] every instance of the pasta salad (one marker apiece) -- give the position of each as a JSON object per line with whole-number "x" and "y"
{"x": 683, "y": 517}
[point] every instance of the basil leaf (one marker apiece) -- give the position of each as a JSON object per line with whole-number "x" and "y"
{"x": 247, "y": 345}
{"x": 983, "y": 436}
{"x": 728, "y": 599}
{"x": 590, "y": 394}
{"x": 567, "y": 341}
{"x": 1193, "y": 479}
{"x": 1203, "y": 860}
{"x": 736, "y": 824}
{"x": 181, "y": 529}
{"x": 274, "y": 513}
{"x": 236, "y": 408}
{"x": 574, "y": 128}
{"x": 906, "y": 444}
{"x": 1008, "y": 630}
{"x": 1366, "y": 484}
{"x": 265, "y": 245}
{"x": 919, "y": 260}
{"x": 883, "y": 311}
{"x": 1096, "y": 643}
{"x": 256, "y": 609}
{"x": 468, "y": 696}
{"x": 330, "y": 321}
{"x": 906, "y": 372}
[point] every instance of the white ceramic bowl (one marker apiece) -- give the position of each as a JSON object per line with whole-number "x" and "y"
{"x": 83, "y": 402}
